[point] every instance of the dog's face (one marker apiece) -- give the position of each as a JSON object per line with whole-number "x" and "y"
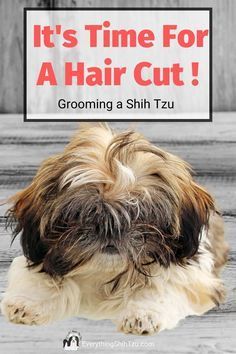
{"x": 110, "y": 197}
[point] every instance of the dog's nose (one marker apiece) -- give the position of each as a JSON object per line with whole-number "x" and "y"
{"x": 110, "y": 249}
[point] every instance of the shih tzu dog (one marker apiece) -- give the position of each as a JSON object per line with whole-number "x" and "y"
{"x": 114, "y": 228}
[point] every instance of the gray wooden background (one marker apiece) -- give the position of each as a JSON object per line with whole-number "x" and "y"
{"x": 11, "y": 38}
{"x": 209, "y": 147}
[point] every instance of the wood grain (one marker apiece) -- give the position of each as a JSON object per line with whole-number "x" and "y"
{"x": 11, "y": 53}
{"x": 11, "y": 45}
{"x": 206, "y": 335}
{"x": 208, "y": 147}
{"x": 222, "y": 129}
{"x": 223, "y": 188}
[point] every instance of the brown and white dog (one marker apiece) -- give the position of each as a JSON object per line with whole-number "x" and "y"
{"x": 115, "y": 228}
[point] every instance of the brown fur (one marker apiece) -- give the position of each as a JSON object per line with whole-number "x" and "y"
{"x": 219, "y": 246}
{"x": 111, "y": 188}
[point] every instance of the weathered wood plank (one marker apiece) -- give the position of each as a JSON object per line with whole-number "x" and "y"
{"x": 224, "y": 46}
{"x": 223, "y": 129}
{"x": 11, "y": 48}
{"x": 223, "y": 188}
{"x": 217, "y": 159}
{"x": 208, "y": 334}
{"x": 209, "y": 147}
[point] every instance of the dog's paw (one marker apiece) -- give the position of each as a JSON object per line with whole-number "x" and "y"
{"x": 18, "y": 310}
{"x": 140, "y": 322}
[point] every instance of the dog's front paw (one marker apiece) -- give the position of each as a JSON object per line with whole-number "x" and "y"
{"x": 140, "y": 322}
{"x": 20, "y": 311}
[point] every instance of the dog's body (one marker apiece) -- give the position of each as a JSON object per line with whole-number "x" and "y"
{"x": 115, "y": 228}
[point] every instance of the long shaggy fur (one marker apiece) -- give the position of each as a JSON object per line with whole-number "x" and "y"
{"x": 119, "y": 190}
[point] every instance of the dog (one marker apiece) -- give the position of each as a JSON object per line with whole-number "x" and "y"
{"x": 115, "y": 228}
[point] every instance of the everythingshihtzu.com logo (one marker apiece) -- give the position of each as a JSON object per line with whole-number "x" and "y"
{"x": 72, "y": 341}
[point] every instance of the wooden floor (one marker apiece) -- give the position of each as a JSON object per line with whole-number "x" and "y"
{"x": 211, "y": 149}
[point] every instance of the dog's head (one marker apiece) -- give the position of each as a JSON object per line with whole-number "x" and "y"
{"x": 110, "y": 196}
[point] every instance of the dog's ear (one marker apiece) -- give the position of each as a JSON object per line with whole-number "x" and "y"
{"x": 23, "y": 217}
{"x": 29, "y": 206}
{"x": 194, "y": 215}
